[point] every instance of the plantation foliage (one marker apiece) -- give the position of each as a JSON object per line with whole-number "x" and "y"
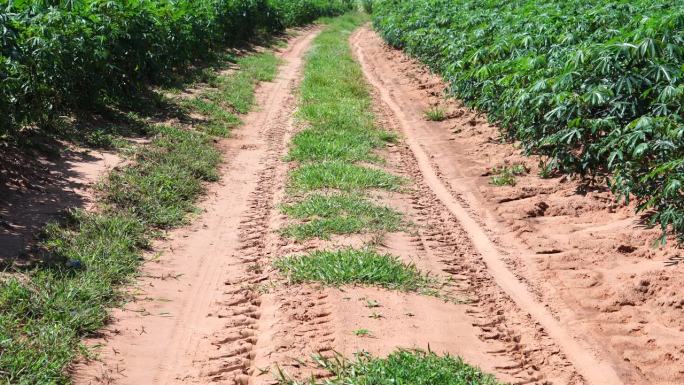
{"x": 61, "y": 55}
{"x": 595, "y": 85}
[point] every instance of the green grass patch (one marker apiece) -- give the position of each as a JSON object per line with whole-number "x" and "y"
{"x": 344, "y": 145}
{"x": 236, "y": 90}
{"x": 261, "y": 67}
{"x": 232, "y": 94}
{"x": 342, "y": 176}
{"x": 401, "y": 367}
{"x": 339, "y": 214}
{"x": 44, "y": 314}
{"x": 220, "y": 121}
{"x": 161, "y": 186}
{"x": 353, "y": 266}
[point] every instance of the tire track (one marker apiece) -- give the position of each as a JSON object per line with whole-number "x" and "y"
{"x": 197, "y": 322}
{"x": 583, "y": 357}
{"x": 245, "y": 303}
{"x": 528, "y": 355}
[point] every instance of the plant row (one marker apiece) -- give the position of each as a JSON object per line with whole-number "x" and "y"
{"x": 59, "y": 56}
{"x": 594, "y": 86}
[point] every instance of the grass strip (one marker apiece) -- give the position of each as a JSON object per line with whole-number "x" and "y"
{"x": 337, "y": 107}
{"x": 403, "y": 367}
{"x": 339, "y": 214}
{"x": 47, "y": 308}
{"x": 237, "y": 91}
{"x": 340, "y": 175}
{"x": 231, "y": 94}
{"x": 160, "y": 187}
{"x": 313, "y": 145}
{"x": 353, "y": 266}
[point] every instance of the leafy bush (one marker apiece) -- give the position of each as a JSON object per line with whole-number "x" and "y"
{"x": 596, "y": 86}
{"x": 57, "y": 56}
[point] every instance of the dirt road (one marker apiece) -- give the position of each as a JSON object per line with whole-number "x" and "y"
{"x": 192, "y": 318}
{"x": 211, "y": 309}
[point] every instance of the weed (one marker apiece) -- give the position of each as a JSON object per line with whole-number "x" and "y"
{"x": 505, "y": 176}
{"x": 353, "y": 266}
{"x": 371, "y": 303}
{"x": 547, "y": 169}
{"x": 435, "y": 114}
{"x": 362, "y": 333}
{"x": 413, "y": 367}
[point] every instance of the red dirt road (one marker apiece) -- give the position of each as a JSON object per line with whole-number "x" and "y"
{"x": 543, "y": 289}
{"x": 170, "y": 333}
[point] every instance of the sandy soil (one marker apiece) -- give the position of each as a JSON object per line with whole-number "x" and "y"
{"x": 533, "y": 288}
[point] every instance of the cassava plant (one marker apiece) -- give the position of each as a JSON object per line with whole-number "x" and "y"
{"x": 596, "y": 87}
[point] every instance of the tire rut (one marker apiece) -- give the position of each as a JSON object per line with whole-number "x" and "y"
{"x": 275, "y": 319}
{"x": 202, "y": 326}
{"x": 543, "y": 347}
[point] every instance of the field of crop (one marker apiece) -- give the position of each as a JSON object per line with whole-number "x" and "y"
{"x": 60, "y": 56}
{"x": 594, "y": 87}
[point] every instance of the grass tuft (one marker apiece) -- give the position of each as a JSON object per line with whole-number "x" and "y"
{"x": 353, "y": 266}
{"x": 435, "y": 114}
{"x": 414, "y": 367}
{"x": 339, "y": 214}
